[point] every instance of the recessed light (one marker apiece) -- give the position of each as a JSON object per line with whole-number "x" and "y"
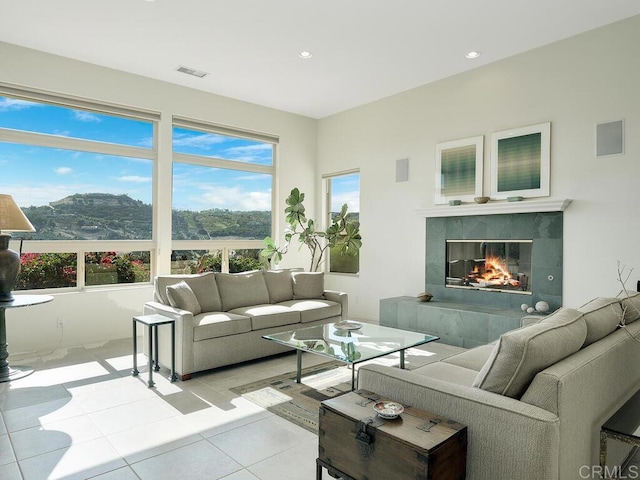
{"x": 473, "y": 54}
{"x": 305, "y": 54}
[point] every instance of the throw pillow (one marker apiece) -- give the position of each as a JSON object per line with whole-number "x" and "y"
{"x": 279, "y": 285}
{"x": 242, "y": 289}
{"x": 631, "y": 305}
{"x": 521, "y": 354}
{"x": 602, "y": 316}
{"x": 181, "y": 296}
{"x": 308, "y": 285}
{"x": 203, "y": 285}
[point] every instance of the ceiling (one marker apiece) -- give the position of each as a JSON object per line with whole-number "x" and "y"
{"x": 363, "y": 50}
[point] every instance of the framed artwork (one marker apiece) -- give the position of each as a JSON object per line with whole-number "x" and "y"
{"x": 459, "y": 170}
{"x": 520, "y": 162}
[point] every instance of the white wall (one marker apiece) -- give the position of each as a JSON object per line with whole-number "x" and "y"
{"x": 574, "y": 84}
{"x": 103, "y": 315}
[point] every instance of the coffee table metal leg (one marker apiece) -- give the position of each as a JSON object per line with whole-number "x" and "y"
{"x": 135, "y": 371}
{"x": 150, "y": 382}
{"x": 402, "y": 359}
{"x": 298, "y": 366}
{"x": 353, "y": 377}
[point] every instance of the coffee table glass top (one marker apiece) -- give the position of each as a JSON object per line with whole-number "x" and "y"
{"x": 353, "y": 345}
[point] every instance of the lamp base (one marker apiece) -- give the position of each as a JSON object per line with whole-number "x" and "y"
{"x": 15, "y": 372}
{"x": 9, "y": 268}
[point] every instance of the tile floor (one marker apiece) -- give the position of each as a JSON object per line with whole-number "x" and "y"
{"x": 82, "y": 415}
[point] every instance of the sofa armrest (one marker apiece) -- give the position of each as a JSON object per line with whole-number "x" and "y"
{"x": 507, "y": 438}
{"x": 150, "y": 308}
{"x": 339, "y": 297}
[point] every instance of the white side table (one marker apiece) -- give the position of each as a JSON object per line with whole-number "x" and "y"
{"x": 8, "y": 373}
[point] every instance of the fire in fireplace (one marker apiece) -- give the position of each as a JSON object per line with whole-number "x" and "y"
{"x": 494, "y": 265}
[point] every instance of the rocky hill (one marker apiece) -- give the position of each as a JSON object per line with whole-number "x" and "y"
{"x": 103, "y": 216}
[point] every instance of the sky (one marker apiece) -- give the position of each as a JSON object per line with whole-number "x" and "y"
{"x": 37, "y": 175}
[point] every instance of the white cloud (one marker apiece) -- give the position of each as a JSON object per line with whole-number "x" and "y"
{"x": 63, "y": 170}
{"x": 352, "y": 199}
{"x": 135, "y": 179}
{"x": 86, "y": 116}
{"x": 11, "y": 104}
{"x": 231, "y": 198}
{"x": 204, "y": 140}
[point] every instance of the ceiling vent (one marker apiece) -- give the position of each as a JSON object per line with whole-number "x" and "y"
{"x": 191, "y": 71}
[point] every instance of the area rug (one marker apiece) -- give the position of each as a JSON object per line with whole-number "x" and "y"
{"x": 299, "y": 402}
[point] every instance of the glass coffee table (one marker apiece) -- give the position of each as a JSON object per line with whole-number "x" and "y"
{"x": 349, "y": 342}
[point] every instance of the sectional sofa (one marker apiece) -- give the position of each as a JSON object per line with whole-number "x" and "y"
{"x": 221, "y": 317}
{"x": 535, "y": 399}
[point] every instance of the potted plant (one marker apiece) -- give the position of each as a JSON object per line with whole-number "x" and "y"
{"x": 343, "y": 233}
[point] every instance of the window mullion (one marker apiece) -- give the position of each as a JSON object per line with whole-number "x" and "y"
{"x": 67, "y": 143}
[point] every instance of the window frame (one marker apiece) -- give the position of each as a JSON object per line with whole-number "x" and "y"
{"x": 81, "y": 247}
{"x": 213, "y": 162}
{"x": 327, "y": 189}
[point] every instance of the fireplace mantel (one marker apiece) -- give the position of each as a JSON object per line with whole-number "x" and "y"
{"x": 495, "y": 208}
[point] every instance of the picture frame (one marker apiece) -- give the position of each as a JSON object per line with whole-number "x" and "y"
{"x": 459, "y": 165}
{"x": 520, "y": 162}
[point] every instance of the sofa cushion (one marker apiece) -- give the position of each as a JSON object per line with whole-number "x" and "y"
{"x": 242, "y": 289}
{"x": 308, "y": 285}
{"x": 631, "y": 305}
{"x": 521, "y": 354}
{"x": 472, "y": 359}
{"x": 203, "y": 285}
{"x": 448, "y": 372}
{"x": 314, "y": 309}
{"x": 267, "y": 316}
{"x": 602, "y": 316}
{"x": 279, "y": 285}
{"x": 219, "y": 324}
{"x": 181, "y": 296}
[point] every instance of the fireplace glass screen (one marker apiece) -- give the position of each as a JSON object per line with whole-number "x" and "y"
{"x": 494, "y": 265}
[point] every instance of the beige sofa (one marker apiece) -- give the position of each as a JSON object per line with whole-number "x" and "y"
{"x": 221, "y": 317}
{"x": 535, "y": 399}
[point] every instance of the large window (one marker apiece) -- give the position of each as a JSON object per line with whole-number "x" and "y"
{"x": 222, "y": 197}
{"x": 83, "y": 175}
{"x": 343, "y": 189}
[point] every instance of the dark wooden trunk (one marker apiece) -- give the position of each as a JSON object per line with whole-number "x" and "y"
{"x": 356, "y": 442}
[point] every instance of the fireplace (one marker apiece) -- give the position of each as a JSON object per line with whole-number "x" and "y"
{"x": 492, "y": 265}
{"x": 538, "y": 236}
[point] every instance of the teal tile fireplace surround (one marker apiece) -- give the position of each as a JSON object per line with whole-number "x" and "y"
{"x": 545, "y": 229}
{"x": 468, "y": 317}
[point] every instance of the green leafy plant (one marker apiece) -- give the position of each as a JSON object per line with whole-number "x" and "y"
{"x": 343, "y": 234}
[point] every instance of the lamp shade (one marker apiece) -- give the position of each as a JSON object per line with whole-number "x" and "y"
{"x": 11, "y": 217}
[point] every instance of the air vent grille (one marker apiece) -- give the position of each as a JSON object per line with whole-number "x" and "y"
{"x": 192, "y": 71}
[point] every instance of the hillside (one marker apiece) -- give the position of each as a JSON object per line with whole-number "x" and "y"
{"x": 103, "y": 216}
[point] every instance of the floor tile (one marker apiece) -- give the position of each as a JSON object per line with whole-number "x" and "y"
{"x": 6, "y": 453}
{"x": 242, "y": 475}
{"x": 17, "y": 397}
{"x": 78, "y": 462}
{"x": 125, "y": 473}
{"x": 131, "y": 415}
{"x": 113, "y": 394}
{"x": 199, "y": 460}
{"x": 3, "y": 425}
{"x": 293, "y": 464}
{"x": 41, "y": 414}
{"x": 152, "y": 439}
{"x": 257, "y": 441}
{"x": 10, "y": 471}
{"x": 53, "y": 436}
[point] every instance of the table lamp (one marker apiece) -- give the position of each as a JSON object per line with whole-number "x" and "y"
{"x": 11, "y": 220}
